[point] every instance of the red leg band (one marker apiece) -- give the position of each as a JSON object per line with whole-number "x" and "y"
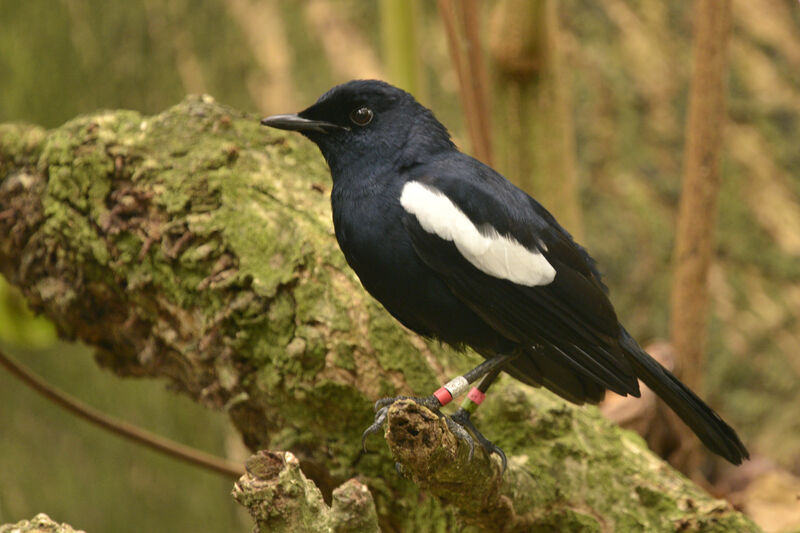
{"x": 476, "y": 396}
{"x": 443, "y": 395}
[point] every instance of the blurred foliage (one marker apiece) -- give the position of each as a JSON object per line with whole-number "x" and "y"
{"x": 84, "y": 475}
{"x": 18, "y": 325}
{"x": 630, "y": 68}
{"x": 627, "y": 68}
{"x": 98, "y": 482}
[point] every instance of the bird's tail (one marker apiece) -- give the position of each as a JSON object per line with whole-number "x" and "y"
{"x": 718, "y": 436}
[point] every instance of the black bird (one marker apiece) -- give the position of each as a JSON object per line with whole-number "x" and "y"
{"x": 455, "y": 252}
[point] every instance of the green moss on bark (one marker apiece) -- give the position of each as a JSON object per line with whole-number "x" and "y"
{"x": 198, "y": 246}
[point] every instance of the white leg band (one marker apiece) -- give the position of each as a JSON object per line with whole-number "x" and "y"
{"x": 457, "y": 386}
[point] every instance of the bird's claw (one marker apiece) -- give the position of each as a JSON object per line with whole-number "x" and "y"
{"x": 462, "y": 434}
{"x": 427, "y": 401}
{"x": 382, "y": 410}
{"x": 461, "y": 418}
{"x": 380, "y": 418}
{"x": 459, "y": 423}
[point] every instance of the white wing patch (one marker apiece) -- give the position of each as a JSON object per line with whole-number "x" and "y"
{"x": 494, "y": 254}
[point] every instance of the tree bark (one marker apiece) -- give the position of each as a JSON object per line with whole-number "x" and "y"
{"x": 196, "y": 245}
{"x": 694, "y": 242}
{"x": 282, "y": 500}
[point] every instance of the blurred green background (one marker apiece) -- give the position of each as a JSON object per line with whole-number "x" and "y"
{"x": 626, "y": 72}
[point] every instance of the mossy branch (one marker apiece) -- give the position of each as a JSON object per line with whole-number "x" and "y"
{"x": 41, "y": 523}
{"x": 197, "y": 246}
{"x": 281, "y": 499}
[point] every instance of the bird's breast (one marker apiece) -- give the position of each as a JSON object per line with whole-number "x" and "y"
{"x": 370, "y": 233}
{"x": 377, "y": 246}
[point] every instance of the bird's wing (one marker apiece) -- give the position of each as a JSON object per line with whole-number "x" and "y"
{"x": 506, "y": 258}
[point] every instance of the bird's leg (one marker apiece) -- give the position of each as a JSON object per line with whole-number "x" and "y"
{"x": 470, "y": 404}
{"x": 444, "y": 395}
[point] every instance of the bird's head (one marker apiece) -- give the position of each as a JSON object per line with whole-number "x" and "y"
{"x": 364, "y": 122}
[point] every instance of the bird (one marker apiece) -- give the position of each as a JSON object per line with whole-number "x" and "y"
{"x": 457, "y": 253}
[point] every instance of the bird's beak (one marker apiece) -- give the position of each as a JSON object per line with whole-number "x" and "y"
{"x": 298, "y": 123}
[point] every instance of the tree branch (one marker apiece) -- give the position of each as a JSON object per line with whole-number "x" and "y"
{"x": 281, "y": 499}
{"x": 197, "y": 246}
{"x": 120, "y": 427}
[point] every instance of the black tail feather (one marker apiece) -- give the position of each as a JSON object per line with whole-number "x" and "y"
{"x": 718, "y": 436}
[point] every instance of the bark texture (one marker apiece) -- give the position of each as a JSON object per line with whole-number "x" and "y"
{"x": 196, "y": 245}
{"x": 282, "y": 500}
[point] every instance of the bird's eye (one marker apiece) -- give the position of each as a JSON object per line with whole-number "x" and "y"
{"x": 361, "y": 116}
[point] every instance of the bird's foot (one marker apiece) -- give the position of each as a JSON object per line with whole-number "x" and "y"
{"x": 462, "y": 419}
{"x": 459, "y": 423}
{"x": 382, "y": 409}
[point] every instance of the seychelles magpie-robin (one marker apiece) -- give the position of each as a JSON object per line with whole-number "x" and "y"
{"x": 455, "y": 252}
